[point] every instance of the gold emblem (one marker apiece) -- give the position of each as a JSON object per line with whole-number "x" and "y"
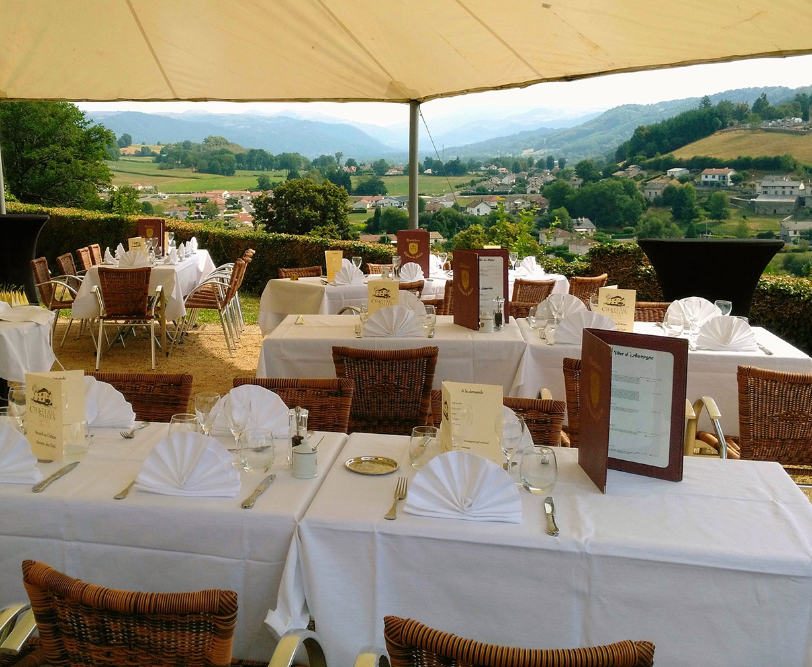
{"x": 413, "y": 247}
{"x": 465, "y": 281}
{"x": 594, "y": 388}
{"x": 150, "y": 232}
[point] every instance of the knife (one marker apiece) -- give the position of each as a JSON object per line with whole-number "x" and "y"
{"x": 248, "y": 503}
{"x": 59, "y": 473}
{"x": 765, "y": 350}
{"x": 549, "y": 510}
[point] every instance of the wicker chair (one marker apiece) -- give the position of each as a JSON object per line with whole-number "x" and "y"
{"x": 650, "y": 311}
{"x": 775, "y": 418}
{"x": 55, "y": 293}
{"x": 584, "y": 287}
{"x": 532, "y": 290}
{"x": 68, "y": 269}
{"x": 392, "y": 387}
{"x": 124, "y": 302}
{"x": 416, "y": 285}
{"x": 303, "y": 272}
{"x": 328, "y": 401}
{"x": 521, "y": 308}
{"x": 85, "y": 261}
{"x": 376, "y": 268}
{"x": 155, "y": 397}
{"x": 572, "y": 384}
{"x": 95, "y": 253}
{"x": 82, "y": 624}
{"x": 412, "y": 644}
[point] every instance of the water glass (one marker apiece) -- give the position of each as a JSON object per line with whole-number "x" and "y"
{"x": 257, "y": 450}
{"x": 183, "y": 422}
{"x": 424, "y": 445}
{"x": 531, "y": 316}
{"x": 593, "y": 302}
{"x": 538, "y": 470}
{"x": 16, "y": 404}
{"x": 724, "y": 306}
{"x": 76, "y": 440}
{"x": 205, "y": 401}
{"x": 357, "y": 261}
{"x": 396, "y": 265}
{"x": 673, "y": 322}
{"x": 691, "y": 307}
{"x": 430, "y": 320}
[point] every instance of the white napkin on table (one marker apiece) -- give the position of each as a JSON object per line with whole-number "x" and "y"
{"x": 267, "y": 410}
{"x": 410, "y": 272}
{"x": 108, "y": 256}
{"x": 345, "y": 262}
{"x": 726, "y": 333}
{"x": 25, "y": 314}
{"x": 182, "y": 251}
{"x": 349, "y": 275}
{"x": 193, "y": 243}
{"x": 172, "y": 257}
{"x": 570, "y": 330}
{"x": 572, "y": 304}
{"x": 17, "y": 464}
{"x": 393, "y": 321}
{"x": 462, "y": 485}
{"x": 529, "y": 267}
{"x": 435, "y": 266}
{"x": 406, "y": 298}
{"x": 706, "y": 310}
{"x": 120, "y": 251}
{"x": 106, "y": 406}
{"x": 189, "y": 464}
{"x": 132, "y": 259}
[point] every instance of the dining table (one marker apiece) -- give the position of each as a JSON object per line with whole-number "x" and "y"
{"x": 714, "y": 570}
{"x": 159, "y": 543}
{"x": 25, "y": 347}
{"x": 302, "y": 347}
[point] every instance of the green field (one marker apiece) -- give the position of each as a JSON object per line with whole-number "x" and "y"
{"x": 143, "y": 170}
{"x": 729, "y": 145}
{"x": 426, "y": 185}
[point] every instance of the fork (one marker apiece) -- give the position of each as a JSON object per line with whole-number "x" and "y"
{"x": 400, "y": 494}
{"x": 131, "y": 433}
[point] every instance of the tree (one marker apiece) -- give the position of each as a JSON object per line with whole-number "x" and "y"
{"x": 125, "y": 140}
{"x": 655, "y": 226}
{"x": 718, "y": 206}
{"x": 550, "y": 162}
{"x": 380, "y": 167}
{"x": 374, "y": 223}
{"x": 123, "y": 201}
{"x": 684, "y": 206}
{"x": 370, "y": 186}
{"x": 690, "y": 231}
{"x": 742, "y": 231}
{"x": 300, "y": 206}
{"x": 211, "y": 210}
{"x": 393, "y": 219}
{"x": 587, "y": 171}
{"x": 804, "y": 100}
{"x": 564, "y": 219}
{"x": 53, "y": 155}
{"x": 705, "y": 103}
{"x": 472, "y": 237}
{"x": 263, "y": 182}
{"x": 351, "y": 162}
{"x": 562, "y": 162}
{"x": 338, "y": 156}
{"x": 337, "y": 176}
{"x": 557, "y": 193}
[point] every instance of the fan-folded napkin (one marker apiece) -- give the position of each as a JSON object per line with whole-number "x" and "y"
{"x": 393, "y": 321}
{"x": 183, "y": 251}
{"x": 411, "y": 272}
{"x": 529, "y": 267}
{"x": 705, "y": 310}
{"x": 106, "y": 406}
{"x": 108, "y": 256}
{"x": 193, "y": 243}
{"x": 726, "y": 333}
{"x": 267, "y": 410}
{"x": 17, "y": 464}
{"x": 349, "y": 275}
{"x": 189, "y": 464}
{"x": 132, "y": 259}
{"x": 120, "y": 251}
{"x": 345, "y": 262}
{"x": 435, "y": 266}
{"x": 570, "y": 330}
{"x": 462, "y": 485}
{"x": 406, "y": 298}
{"x": 572, "y": 304}
{"x": 25, "y": 314}
{"x": 173, "y": 257}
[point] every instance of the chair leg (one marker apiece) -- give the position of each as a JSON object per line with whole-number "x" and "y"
{"x": 65, "y": 335}
{"x": 152, "y": 341}
{"x": 99, "y": 347}
{"x": 225, "y": 333}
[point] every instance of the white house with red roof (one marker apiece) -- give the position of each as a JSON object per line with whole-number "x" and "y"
{"x": 717, "y": 177}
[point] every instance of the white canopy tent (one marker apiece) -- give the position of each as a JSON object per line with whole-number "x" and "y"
{"x": 406, "y": 51}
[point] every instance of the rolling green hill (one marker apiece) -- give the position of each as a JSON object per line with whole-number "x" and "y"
{"x": 755, "y": 143}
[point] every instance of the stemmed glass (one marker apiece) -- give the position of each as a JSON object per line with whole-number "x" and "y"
{"x": 510, "y": 428}
{"x": 513, "y": 257}
{"x": 237, "y": 415}
{"x": 724, "y": 306}
{"x": 396, "y": 265}
{"x": 556, "y": 304}
{"x": 204, "y": 409}
{"x": 16, "y": 404}
{"x": 690, "y": 307}
{"x": 443, "y": 257}
{"x": 538, "y": 470}
{"x": 357, "y": 261}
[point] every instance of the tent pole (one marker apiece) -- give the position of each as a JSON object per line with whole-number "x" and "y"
{"x": 414, "y": 111}
{"x": 2, "y": 189}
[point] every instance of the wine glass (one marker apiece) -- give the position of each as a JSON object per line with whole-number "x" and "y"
{"x": 724, "y": 306}
{"x": 396, "y": 261}
{"x": 357, "y": 261}
{"x": 510, "y": 428}
{"x": 673, "y": 322}
{"x": 204, "y": 409}
{"x": 443, "y": 256}
{"x": 538, "y": 470}
{"x": 424, "y": 445}
{"x": 237, "y": 415}
{"x": 183, "y": 422}
{"x": 16, "y": 404}
{"x": 556, "y": 305}
{"x": 691, "y": 307}
{"x": 513, "y": 257}
{"x": 430, "y": 320}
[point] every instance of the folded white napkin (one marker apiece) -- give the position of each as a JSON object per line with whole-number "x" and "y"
{"x": 572, "y": 304}
{"x": 120, "y": 251}
{"x": 189, "y": 464}
{"x": 106, "y": 406}
{"x": 435, "y": 265}
{"x": 132, "y": 259}
{"x": 193, "y": 243}
{"x": 570, "y": 330}
{"x": 25, "y": 314}
{"x": 182, "y": 252}
{"x": 726, "y": 333}
{"x": 410, "y": 272}
{"x": 349, "y": 275}
{"x": 17, "y": 464}
{"x": 705, "y": 309}
{"x": 108, "y": 256}
{"x": 172, "y": 257}
{"x": 527, "y": 437}
{"x": 462, "y": 485}
{"x": 346, "y": 262}
{"x": 529, "y": 267}
{"x": 267, "y": 410}
{"x": 406, "y": 298}
{"x": 393, "y": 321}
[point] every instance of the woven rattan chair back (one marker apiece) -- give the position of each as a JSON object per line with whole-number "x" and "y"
{"x": 66, "y": 265}
{"x": 585, "y": 286}
{"x": 412, "y": 644}
{"x": 448, "y": 300}
{"x": 328, "y": 401}
{"x": 84, "y": 625}
{"x": 155, "y": 397}
{"x": 650, "y": 311}
{"x": 377, "y": 268}
{"x": 521, "y": 308}
{"x": 237, "y": 276}
{"x": 85, "y": 262}
{"x": 543, "y": 417}
{"x": 43, "y": 277}
{"x": 95, "y": 253}
{"x": 248, "y": 255}
{"x": 416, "y": 285}
{"x": 775, "y": 417}
{"x": 125, "y": 291}
{"x": 392, "y": 387}
{"x": 303, "y": 272}
{"x": 572, "y": 388}
{"x": 532, "y": 290}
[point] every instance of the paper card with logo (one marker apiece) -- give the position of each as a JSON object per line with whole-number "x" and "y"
{"x": 413, "y": 246}
{"x": 332, "y": 258}
{"x": 382, "y": 293}
{"x": 471, "y": 414}
{"x": 618, "y": 304}
{"x": 137, "y": 243}
{"x": 54, "y": 399}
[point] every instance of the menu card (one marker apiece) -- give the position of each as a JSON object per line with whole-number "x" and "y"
{"x": 47, "y": 412}
{"x": 332, "y": 259}
{"x": 479, "y": 277}
{"x": 152, "y": 228}
{"x": 471, "y": 415}
{"x": 413, "y": 246}
{"x": 137, "y": 243}
{"x": 382, "y": 293}
{"x": 632, "y": 391}
{"x": 618, "y": 304}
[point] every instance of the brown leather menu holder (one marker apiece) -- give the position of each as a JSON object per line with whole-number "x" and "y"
{"x": 413, "y": 246}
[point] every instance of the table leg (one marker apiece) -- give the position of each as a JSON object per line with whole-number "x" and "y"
{"x": 163, "y": 324}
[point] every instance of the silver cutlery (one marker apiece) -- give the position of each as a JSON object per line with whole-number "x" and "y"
{"x": 131, "y": 433}
{"x": 764, "y": 349}
{"x": 549, "y": 510}
{"x": 400, "y": 494}
{"x": 123, "y": 494}
{"x": 316, "y": 446}
{"x": 59, "y": 473}
{"x": 248, "y": 503}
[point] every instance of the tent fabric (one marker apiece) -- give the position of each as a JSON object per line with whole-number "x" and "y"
{"x": 366, "y": 50}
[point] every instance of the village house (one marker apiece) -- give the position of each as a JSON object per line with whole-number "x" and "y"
{"x": 576, "y": 183}
{"x": 629, "y": 172}
{"x": 143, "y": 187}
{"x": 581, "y": 246}
{"x": 436, "y": 237}
{"x": 481, "y": 207}
{"x": 376, "y": 238}
{"x": 655, "y": 187}
{"x": 395, "y": 171}
{"x": 717, "y": 177}
{"x": 556, "y": 237}
{"x": 790, "y": 230}
{"x": 781, "y": 185}
{"x": 177, "y": 212}
{"x": 676, "y": 172}
{"x": 583, "y": 226}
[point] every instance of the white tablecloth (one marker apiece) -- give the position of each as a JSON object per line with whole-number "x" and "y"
{"x": 158, "y": 543}
{"x": 177, "y": 281}
{"x": 562, "y": 285}
{"x": 283, "y": 296}
{"x": 715, "y": 570}
{"x": 710, "y": 372}
{"x": 305, "y": 351}
{"x": 25, "y": 347}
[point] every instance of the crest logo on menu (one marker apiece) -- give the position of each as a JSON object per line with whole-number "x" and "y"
{"x": 413, "y": 248}
{"x": 42, "y": 396}
{"x": 616, "y": 301}
{"x": 382, "y": 293}
{"x": 465, "y": 281}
